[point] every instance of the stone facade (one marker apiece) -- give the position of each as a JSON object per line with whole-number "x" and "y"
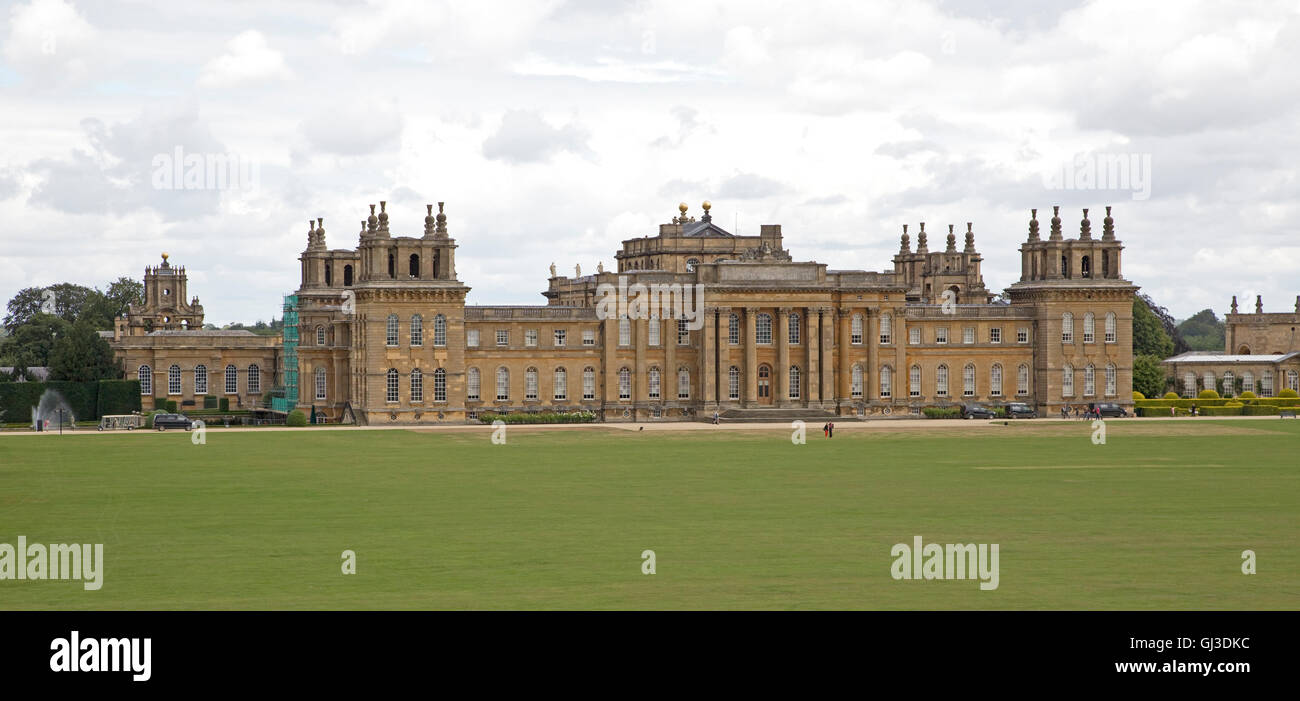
{"x": 1261, "y": 333}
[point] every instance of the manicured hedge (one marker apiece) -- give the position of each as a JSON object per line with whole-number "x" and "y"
{"x": 18, "y": 398}
{"x": 541, "y": 417}
{"x": 1187, "y": 403}
{"x": 296, "y": 418}
{"x": 1259, "y": 410}
{"x": 1221, "y": 411}
{"x": 118, "y": 397}
{"x": 934, "y": 412}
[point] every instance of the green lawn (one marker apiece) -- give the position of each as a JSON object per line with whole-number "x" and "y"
{"x": 1155, "y": 519}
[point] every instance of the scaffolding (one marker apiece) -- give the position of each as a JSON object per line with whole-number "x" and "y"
{"x": 284, "y": 399}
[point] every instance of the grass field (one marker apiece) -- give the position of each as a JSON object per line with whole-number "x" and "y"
{"x": 1157, "y": 518}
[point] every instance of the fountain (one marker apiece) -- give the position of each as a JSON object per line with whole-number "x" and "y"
{"x": 52, "y": 408}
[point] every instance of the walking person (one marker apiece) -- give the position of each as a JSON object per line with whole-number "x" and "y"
{"x": 826, "y": 429}
{"x": 830, "y": 429}
{"x": 715, "y": 418}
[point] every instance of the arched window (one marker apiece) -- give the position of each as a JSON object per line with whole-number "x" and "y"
{"x": 329, "y": 277}
{"x": 856, "y": 382}
{"x": 886, "y": 382}
{"x": 1067, "y": 328}
{"x": 764, "y": 381}
{"x": 763, "y": 328}
{"x": 320, "y": 383}
{"x": 624, "y": 331}
{"x": 968, "y": 380}
{"x": 503, "y": 384}
{"x": 392, "y": 265}
{"x": 390, "y": 386}
{"x": 440, "y": 385}
{"x": 1105, "y": 264}
{"x": 941, "y": 381}
{"x": 254, "y": 379}
{"x": 1207, "y": 380}
{"x": 794, "y": 328}
{"x": 439, "y": 330}
{"x": 347, "y": 276}
{"x": 1088, "y": 328}
{"x": 691, "y": 263}
{"x": 1229, "y": 388}
{"x": 1089, "y": 381}
{"x": 733, "y": 330}
{"x": 530, "y": 383}
{"x": 417, "y": 330}
{"x": 200, "y": 379}
{"x": 1067, "y": 381}
{"x": 652, "y": 331}
{"x": 624, "y": 383}
{"x": 1085, "y": 266}
{"x": 733, "y": 380}
{"x": 1293, "y": 380}
{"x": 1110, "y": 380}
{"x": 473, "y": 384}
{"x": 914, "y": 381}
{"x": 589, "y": 383}
{"x": 1189, "y": 384}
{"x": 413, "y": 267}
{"x": 794, "y": 381}
{"x": 560, "y": 384}
{"x": 1110, "y": 327}
{"x": 417, "y": 385}
{"x": 320, "y": 335}
{"x": 995, "y": 380}
{"x": 232, "y": 380}
{"x": 1248, "y": 382}
{"x": 654, "y": 383}
{"x": 855, "y": 330}
{"x": 174, "y": 379}
{"x": 683, "y": 383}
{"x": 1266, "y": 383}
{"x": 886, "y": 329}
{"x": 1022, "y": 380}
{"x": 390, "y": 331}
{"x": 1065, "y": 266}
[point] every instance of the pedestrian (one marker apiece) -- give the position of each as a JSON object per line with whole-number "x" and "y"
{"x": 715, "y": 418}
{"x": 1193, "y": 410}
{"x": 826, "y": 429}
{"x": 830, "y": 429}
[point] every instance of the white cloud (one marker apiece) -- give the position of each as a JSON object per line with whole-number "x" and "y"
{"x": 50, "y": 41}
{"x": 248, "y": 59}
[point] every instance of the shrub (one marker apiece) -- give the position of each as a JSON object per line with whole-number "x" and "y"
{"x": 1138, "y": 395}
{"x": 1221, "y": 411}
{"x": 171, "y": 406}
{"x": 934, "y": 412}
{"x": 1288, "y": 393}
{"x": 1171, "y": 395}
{"x": 296, "y": 418}
{"x": 224, "y": 404}
{"x": 541, "y": 417}
{"x": 1247, "y": 395}
{"x": 1207, "y": 394}
{"x": 1259, "y": 410}
{"x": 148, "y": 420}
{"x": 209, "y": 402}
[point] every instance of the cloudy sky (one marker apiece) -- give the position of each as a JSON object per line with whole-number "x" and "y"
{"x": 554, "y": 130}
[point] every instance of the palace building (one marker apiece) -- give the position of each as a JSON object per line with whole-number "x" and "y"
{"x": 1261, "y": 354}
{"x": 382, "y": 333}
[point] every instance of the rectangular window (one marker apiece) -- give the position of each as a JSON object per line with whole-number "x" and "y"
{"x": 683, "y": 385}
{"x": 652, "y": 337}
{"x": 588, "y": 384}
{"x": 588, "y": 337}
{"x": 886, "y": 329}
{"x": 471, "y": 338}
{"x": 530, "y": 384}
{"x": 1022, "y": 335}
{"x": 254, "y": 379}
{"x": 855, "y": 332}
{"x": 683, "y": 333}
{"x": 503, "y": 338}
{"x": 995, "y": 335}
{"x": 914, "y": 335}
{"x": 530, "y": 338}
{"x": 559, "y": 337}
{"x": 473, "y": 384}
{"x": 968, "y": 334}
{"x": 941, "y": 334}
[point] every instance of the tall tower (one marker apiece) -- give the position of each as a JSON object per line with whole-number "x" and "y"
{"x": 1083, "y": 311}
{"x": 165, "y": 307}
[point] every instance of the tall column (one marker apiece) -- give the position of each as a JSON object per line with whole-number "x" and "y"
{"x": 812, "y": 358}
{"x": 668, "y": 377}
{"x": 640, "y": 333}
{"x": 899, "y": 339}
{"x": 781, "y": 379}
{"x": 724, "y": 354}
{"x": 751, "y": 358}
{"x": 846, "y": 350}
{"x": 871, "y": 374}
{"x": 709, "y": 349}
{"x": 828, "y": 352}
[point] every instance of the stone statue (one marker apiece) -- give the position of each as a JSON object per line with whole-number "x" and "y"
{"x": 552, "y": 269}
{"x": 600, "y": 268}
{"x": 577, "y": 270}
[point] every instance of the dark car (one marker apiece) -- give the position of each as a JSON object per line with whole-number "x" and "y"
{"x": 162, "y": 422}
{"x": 1020, "y": 410}
{"x": 977, "y": 411}
{"x": 1111, "y": 409}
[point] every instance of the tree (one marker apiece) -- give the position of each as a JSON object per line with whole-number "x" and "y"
{"x": 29, "y": 345}
{"x": 1168, "y": 324}
{"x": 1203, "y": 331}
{"x": 1149, "y": 335}
{"x": 123, "y": 292}
{"x": 1148, "y": 375}
{"x": 82, "y": 355}
{"x": 23, "y": 306}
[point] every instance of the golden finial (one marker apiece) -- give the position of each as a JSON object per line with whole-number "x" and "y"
{"x": 682, "y": 208}
{"x": 164, "y": 255}
{"x": 706, "y": 205}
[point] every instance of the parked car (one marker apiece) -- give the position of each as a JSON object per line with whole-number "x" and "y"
{"x": 162, "y": 422}
{"x": 1020, "y": 410}
{"x": 1111, "y": 409}
{"x": 977, "y": 411}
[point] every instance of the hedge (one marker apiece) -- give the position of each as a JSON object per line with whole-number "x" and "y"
{"x": 1221, "y": 411}
{"x": 118, "y": 397}
{"x": 1187, "y": 403}
{"x": 1259, "y": 410}
{"x": 541, "y": 417}
{"x": 18, "y": 398}
{"x": 1161, "y": 411}
{"x": 296, "y": 418}
{"x": 934, "y": 412}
